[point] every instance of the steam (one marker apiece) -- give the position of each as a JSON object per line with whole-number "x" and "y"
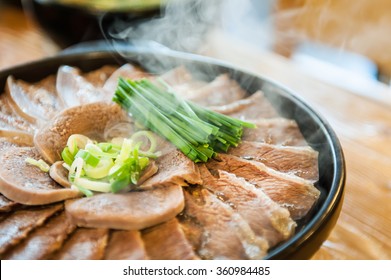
{"x": 186, "y": 25}
{"x": 182, "y": 27}
{"x": 277, "y": 25}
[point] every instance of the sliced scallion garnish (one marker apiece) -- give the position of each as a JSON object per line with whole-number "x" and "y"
{"x": 107, "y": 166}
{"x": 67, "y": 156}
{"x": 41, "y": 164}
{"x": 88, "y": 158}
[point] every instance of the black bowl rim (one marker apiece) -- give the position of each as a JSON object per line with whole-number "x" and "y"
{"x": 332, "y": 202}
{"x": 94, "y": 11}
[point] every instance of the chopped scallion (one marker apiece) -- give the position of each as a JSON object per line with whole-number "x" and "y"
{"x": 106, "y": 166}
{"x": 67, "y": 156}
{"x": 38, "y": 163}
{"x": 88, "y": 158}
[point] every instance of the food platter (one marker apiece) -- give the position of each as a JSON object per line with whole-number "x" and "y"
{"x": 315, "y": 227}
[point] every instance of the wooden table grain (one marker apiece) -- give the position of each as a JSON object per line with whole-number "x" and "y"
{"x": 362, "y": 124}
{"x": 21, "y": 40}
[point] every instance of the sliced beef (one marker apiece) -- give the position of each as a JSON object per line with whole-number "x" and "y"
{"x": 11, "y": 107}
{"x": 99, "y": 77}
{"x": 34, "y": 102}
{"x": 5, "y": 106}
{"x": 15, "y": 137}
{"x": 7, "y": 205}
{"x": 292, "y": 192}
{"x": 148, "y": 172}
{"x": 3, "y": 124}
{"x": 10, "y": 120}
{"x": 222, "y": 90}
{"x": 277, "y": 131}
{"x": 222, "y": 233}
{"x": 299, "y": 161}
{"x": 5, "y": 144}
{"x": 17, "y": 225}
{"x": 84, "y": 244}
{"x": 90, "y": 120}
{"x": 167, "y": 241}
{"x": 59, "y": 174}
{"x": 125, "y": 245}
{"x": 253, "y": 107}
{"x": 177, "y": 76}
{"x": 129, "y": 211}
{"x": 75, "y": 90}
{"x": 43, "y": 241}
{"x": 174, "y": 168}
{"x": 127, "y": 71}
{"x": 14, "y": 122}
{"x": 182, "y": 82}
{"x": 27, "y": 184}
{"x": 164, "y": 146}
{"x": 267, "y": 219}
{"x": 193, "y": 230}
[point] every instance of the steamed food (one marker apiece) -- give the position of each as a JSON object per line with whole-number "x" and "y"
{"x": 180, "y": 168}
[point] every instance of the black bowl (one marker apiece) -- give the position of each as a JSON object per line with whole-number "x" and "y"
{"x": 69, "y": 24}
{"x": 312, "y": 231}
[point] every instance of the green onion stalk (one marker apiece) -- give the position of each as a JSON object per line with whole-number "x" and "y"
{"x": 197, "y": 131}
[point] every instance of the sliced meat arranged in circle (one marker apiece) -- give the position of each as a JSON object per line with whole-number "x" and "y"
{"x": 182, "y": 82}
{"x": 7, "y": 205}
{"x": 127, "y": 211}
{"x": 37, "y": 102}
{"x": 100, "y": 76}
{"x": 216, "y": 231}
{"x": 43, "y": 241}
{"x": 299, "y": 161}
{"x": 292, "y": 192}
{"x": 21, "y": 222}
{"x": 174, "y": 168}
{"x": 253, "y": 107}
{"x": 74, "y": 89}
{"x": 222, "y": 90}
{"x": 236, "y": 206}
{"x": 148, "y": 172}
{"x": 125, "y": 245}
{"x": 18, "y": 138}
{"x": 126, "y": 71}
{"x": 5, "y": 144}
{"x": 276, "y": 131}
{"x": 27, "y": 184}
{"x": 267, "y": 219}
{"x": 59, "y": 174}
{"x": 10, "y": 120}
{"x": 167, "y": 241}
{"x": 84, "y": 244}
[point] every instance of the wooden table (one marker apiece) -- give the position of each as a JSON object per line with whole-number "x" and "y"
{"x": 20, "y": 38}
{"x": 363, "y": 126}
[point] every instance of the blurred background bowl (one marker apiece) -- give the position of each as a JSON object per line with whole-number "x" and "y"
{"x": 69, "y": 22}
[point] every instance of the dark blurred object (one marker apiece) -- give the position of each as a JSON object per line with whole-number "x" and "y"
{"x": 71, "y": 24}
{"x": 14, "y": 3}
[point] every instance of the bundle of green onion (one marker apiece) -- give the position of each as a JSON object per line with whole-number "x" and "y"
{"x": 106, "y": 166}
{"x": 198, "y": 132}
